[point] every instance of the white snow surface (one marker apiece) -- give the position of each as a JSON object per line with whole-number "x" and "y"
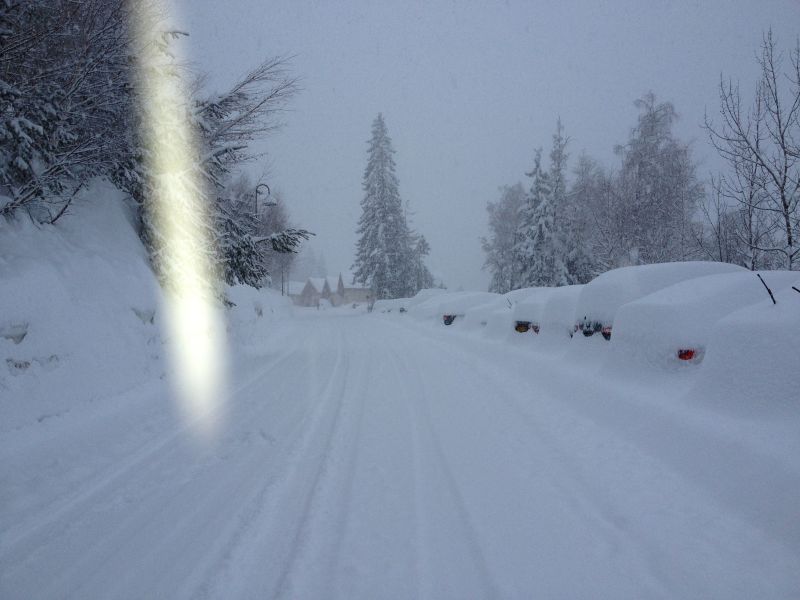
{"x": 379, "y": 456}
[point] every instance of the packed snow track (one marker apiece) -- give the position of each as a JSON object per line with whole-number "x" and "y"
{"x": 376, "y": 457}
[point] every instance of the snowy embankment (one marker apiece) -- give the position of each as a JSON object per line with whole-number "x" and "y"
{"x": 80, "y": 311}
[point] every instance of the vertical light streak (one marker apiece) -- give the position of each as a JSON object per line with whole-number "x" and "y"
{"x": 181, "y": 225}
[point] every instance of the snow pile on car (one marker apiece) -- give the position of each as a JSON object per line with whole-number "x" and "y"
{"x": 558, "y": 316}
{"x": 530, "y": 307}
{"x": 477, "y": 317}
{"x": 752, "y": 364}
{"x": 671, "y": 327}
{"x": 603, "y": 296}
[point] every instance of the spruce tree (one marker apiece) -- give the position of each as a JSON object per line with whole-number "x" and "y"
{"x": 542, "y": 249}
{"x": 384, "y": 252}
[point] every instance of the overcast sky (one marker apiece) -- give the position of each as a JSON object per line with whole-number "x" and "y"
{"x": 469, "y": 90}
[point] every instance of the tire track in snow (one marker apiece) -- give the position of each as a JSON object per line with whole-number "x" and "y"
{"x": 312, "y": 565}
{"x": 260, "y": 530}
{"x": 307, "y": 473}
{"x": 575, "y": 489}
{"x": 660, "y": 527}
{"x": 26, "y": 534}
{"x": 428, "y": 443}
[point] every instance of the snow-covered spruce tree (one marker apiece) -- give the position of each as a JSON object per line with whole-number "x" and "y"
{"x": 422, "y": 277}
{"x": 542, "y": 249}
{"x": 385, "y": 255}
{"x": 500, "y": 246}
{"x": 65, "y": 99}
{"x": 524, "y": 248}
{"x": 584, "y": 206}
{"x": 228, "y": 124}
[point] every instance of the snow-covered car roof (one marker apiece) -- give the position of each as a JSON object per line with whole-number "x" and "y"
{"x": 604, "y": 295}
{"x": 460, "y": 302}
{"x": 425, "y": 295}
{"x": 395, "y": 304}
{"x": 479, "y": 315}
{"x": 518, "y": 294}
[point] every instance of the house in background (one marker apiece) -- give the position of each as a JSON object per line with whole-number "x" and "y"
{"x": 331, "y": 289}
{"x": 294, "y": 289}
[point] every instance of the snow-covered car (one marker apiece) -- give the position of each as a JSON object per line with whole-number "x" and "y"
{"x": 602, "y": 297}
{"x": 456, "y": 305}
{"x": 528, "y": 310}
{"x": 752, "y": 365}
{"x": 674, "y": 323}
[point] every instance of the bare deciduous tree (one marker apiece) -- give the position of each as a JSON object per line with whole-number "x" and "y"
{"x": 762, "y": 145}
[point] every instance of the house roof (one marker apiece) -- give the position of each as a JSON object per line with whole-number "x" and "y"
{"x": 295, "y": 288}
{"x": 317, "y": 283}
{"x": 333, "y": 283}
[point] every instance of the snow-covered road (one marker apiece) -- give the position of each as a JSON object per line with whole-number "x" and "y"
{"x": 374, "y": 457}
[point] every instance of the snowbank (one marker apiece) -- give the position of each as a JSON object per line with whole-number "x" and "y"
{"x": 79, "y": 316}
{"x": 254, "y": 313}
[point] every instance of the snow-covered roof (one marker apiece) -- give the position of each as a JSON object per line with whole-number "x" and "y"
{"x": 333, "y": 283}
{"x": 317, "y": 283}
{"x": 296, "y": 287}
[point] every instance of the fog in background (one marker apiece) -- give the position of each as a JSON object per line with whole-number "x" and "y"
{"x": 468, "y": 90}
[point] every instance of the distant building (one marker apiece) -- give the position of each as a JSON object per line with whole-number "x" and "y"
{"x": 294, "y": 289}
{"x": 330, "y": 289}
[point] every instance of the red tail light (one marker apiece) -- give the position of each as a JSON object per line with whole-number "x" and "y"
{"x": 606, "y": 331}
{"x": 687, "y": 354}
